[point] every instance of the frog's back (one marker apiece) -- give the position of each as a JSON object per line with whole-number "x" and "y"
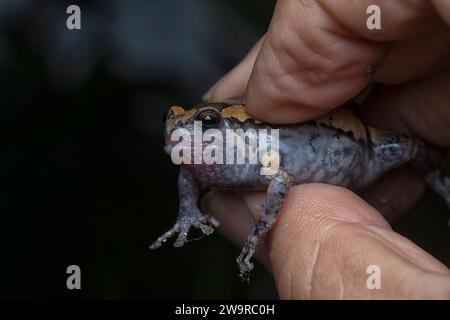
{"x": 340, "y": 149}
{"x": 333, "y": 149}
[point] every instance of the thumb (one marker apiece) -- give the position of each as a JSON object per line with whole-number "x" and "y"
{"x": 325, "y": 242}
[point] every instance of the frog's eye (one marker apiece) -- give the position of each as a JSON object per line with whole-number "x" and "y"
{"x": 209, "y": 117}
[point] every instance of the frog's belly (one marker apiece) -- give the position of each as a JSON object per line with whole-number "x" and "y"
{"x": 326, "y": 156}
{"x": 229, "y": 176}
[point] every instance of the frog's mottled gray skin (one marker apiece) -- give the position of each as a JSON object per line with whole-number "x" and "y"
{"x": 337, "y": 149}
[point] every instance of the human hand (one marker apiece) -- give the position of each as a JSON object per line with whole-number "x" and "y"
{"x": 314, "y": 57}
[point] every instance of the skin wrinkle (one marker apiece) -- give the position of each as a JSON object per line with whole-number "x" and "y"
{"x": 287, "y": 248}
{"x": 323, "y": 199}
{"x": 347, "y": 32}
{"x": 318, "y": 75}
{"x": 286, "y": 252}
{"x": 282, "y": 273}
{"x": 313, "y": 224}
{"x": 311, "y": 47}
{"x": 310, "y": 266}
{"x": 271, "y": 90}
{"x": 286, "y": 86}
{"x": 376, "y": 243}
{"x": 342, "y": 287}
{"x": 314, "y": 48}
{"x": 328, "y": 240}
{"x": 311, "y": 66}
{"x": 331, "y": 14}
{"x": 312, "y": 270}
{"x": 403, "y": 282}
{"x": 287, "y": 283}
{"x": 398, "y": 27}
{"x": 277, "y": 91}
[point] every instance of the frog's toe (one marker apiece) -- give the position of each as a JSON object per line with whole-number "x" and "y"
{"x": 182, "y": 226}
{"x": 206, "y": 230}
{"x": 200, "y": 222}
{"x": 245, "y": 269}
{"x": 181, "y": 239}
{"x": 165, "y": 236}
{"x": 204, "y": 225}
{"x": 243, "y": 261}
{"x": 245, "y": 276}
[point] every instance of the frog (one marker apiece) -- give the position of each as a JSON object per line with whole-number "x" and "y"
{"x": 337, "y": 148}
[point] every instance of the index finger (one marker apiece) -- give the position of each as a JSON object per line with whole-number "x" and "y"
{"x": 318, "y": 55}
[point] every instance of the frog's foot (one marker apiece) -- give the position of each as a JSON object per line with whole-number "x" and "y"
{"x": 198, "y": 221}
{"x": 243, "y": 261}
{"x": 182, "y": 226}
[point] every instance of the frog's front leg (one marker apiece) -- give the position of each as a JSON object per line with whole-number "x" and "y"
{"x": 188, "y": 214}
{"x": 276, "y": 194}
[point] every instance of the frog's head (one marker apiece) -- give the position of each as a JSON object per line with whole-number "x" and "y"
{"x": 218, "y": 115}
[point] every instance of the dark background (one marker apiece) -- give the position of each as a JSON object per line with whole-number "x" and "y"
{"x": 84, "y": 179}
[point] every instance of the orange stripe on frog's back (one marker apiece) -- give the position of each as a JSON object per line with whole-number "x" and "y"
{"x": 237, "y": 112}
{"x": 178, "y": 116}
{"x": 346, "y": 121}
{"x": 181, "y": 115}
